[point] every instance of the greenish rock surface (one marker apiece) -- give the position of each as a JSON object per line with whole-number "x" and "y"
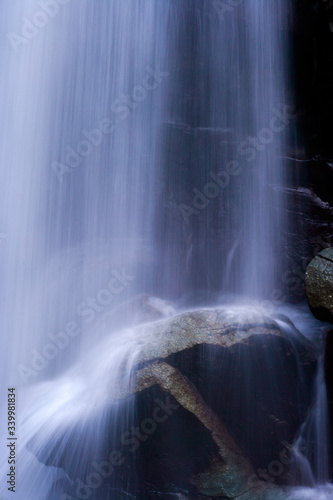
{"x": 319, "y": 285}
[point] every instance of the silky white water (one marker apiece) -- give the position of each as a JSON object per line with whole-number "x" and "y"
{"x": 139, "y": 153}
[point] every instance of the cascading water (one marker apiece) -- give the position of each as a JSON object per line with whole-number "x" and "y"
{"x": 226, "y": 124}
{"x": 247, "y": 93}
{"x": 139, "y": 150}
{"x": 81, "y": 107}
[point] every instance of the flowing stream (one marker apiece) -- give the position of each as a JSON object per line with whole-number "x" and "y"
{"x": 139, "y": 149}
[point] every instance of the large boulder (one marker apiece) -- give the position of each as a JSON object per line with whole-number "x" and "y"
{"x": 241, "y": 388}
{"x": 214, "y": 403}
{"x": 319, "y": 285}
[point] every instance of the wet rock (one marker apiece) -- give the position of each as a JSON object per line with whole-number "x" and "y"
{"x": 215, "y": 395}
{"x": 243, "y": 381}
{"x": 310, "y": 228}
{"x": 319, "y": 285}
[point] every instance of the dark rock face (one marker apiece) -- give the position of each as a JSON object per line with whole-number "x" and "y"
{"x": 313, "y": 49}
{"x": 310, "y": 230}
{"x": 309, "y": 159}
{"x": 319, "y": 285}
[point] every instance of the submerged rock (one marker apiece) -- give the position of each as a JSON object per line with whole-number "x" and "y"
{"x": 319, "y": 285}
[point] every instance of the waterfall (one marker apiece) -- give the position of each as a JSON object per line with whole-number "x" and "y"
{"x": 82, "y": 105}
{"x": 140, "y": 151}
{"x": 248, "y": 97}
{"x": 227, "y": 127}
